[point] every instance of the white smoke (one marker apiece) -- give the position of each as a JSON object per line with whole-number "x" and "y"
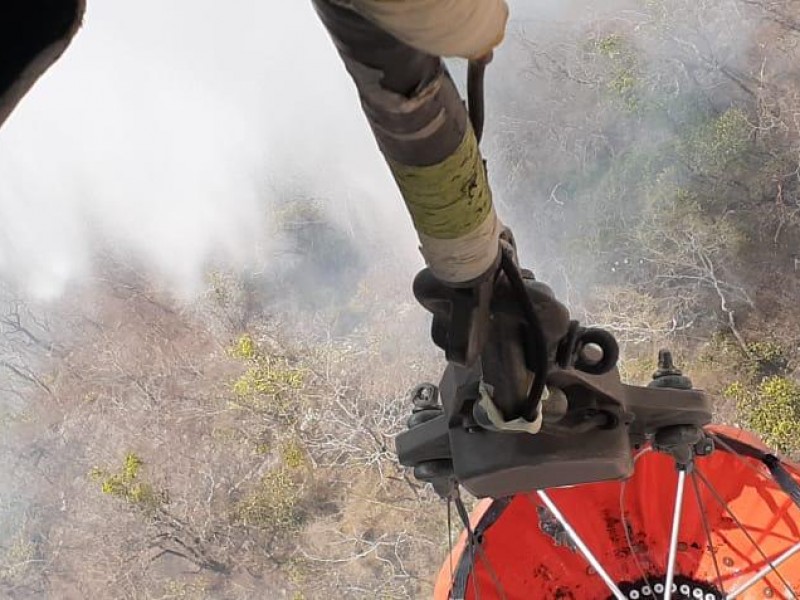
{"x": 169, "y": 130}
{"x": 166, "y": 130}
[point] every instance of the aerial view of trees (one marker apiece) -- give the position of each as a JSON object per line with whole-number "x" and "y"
{"x": 239, "y": 443}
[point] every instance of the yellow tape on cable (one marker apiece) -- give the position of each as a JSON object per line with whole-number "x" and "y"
{"x": 463, "y": 28}
{"x": 451, "y": 205}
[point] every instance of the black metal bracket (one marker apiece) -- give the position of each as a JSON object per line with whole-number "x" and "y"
{"x": 593, "y": 440}
{"x": 590, "y": 421}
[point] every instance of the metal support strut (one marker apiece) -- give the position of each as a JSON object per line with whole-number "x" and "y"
{"x": 764, "y": 572}
{"x": 676, "y": 526}
{"x": 576, "y": 539}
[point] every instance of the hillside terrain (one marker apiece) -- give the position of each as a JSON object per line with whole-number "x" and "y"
{"x": 239, "y": 444}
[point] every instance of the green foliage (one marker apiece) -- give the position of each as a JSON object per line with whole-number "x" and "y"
{"x": 611, "y": 46}
{"x": 268, "y": 377}
{"x": 720, "y": 354}
{"x": 293, "y": 455}
{"x": 762, "y": 358}
{"x": 261, "y": 449}
{"x": 771, "y": 409}
{"x": 624, "y": 78}
{"x": 766, "y": 351}
{"x": 623, "y": 82}
{"x": 766, "y": 358}
{"x": 715, "y": 143}
{"x": 656, "y": 187}
{"x": 127, "y": 484}
{"x": 274, "y": 504}
{"x": 244, "y": 348}
{"x": 268, "y": 382}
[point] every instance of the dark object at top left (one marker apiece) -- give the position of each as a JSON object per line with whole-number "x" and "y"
{"x": 33, "y": 35}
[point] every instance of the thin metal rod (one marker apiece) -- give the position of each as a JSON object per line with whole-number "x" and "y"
{"x": 576, "y": 539}
{"x": 707, "y": 528}
{"x": 629, "y": 540}
{"x": 626, "y": 526}
{"x": 472, "y": 543}
{"x": 673, "y": 540}
{"x": 764, "y": 572}
{"x": 718, "y": 497}
{"x": 450, "y": 536}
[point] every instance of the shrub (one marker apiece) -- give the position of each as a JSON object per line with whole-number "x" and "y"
{"x": 268, "y": 381}
{"x": 624, "y": 78}
{"x": 771, "y": 409}
{"x": 244, "y": 347}
{"x": 127, "y": 484}
{"x": 766, "y": 359}
{"x": 293, "y": 455}
{"x": 274, "y": 504}
{"x": 717, "y": 142}
{"x": 269, "y": 378}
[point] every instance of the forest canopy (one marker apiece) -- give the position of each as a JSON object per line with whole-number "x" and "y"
{"x": 240, "y": 444}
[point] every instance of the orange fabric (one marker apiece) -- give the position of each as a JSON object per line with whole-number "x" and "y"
{"x": 740, "y": 435}
{"x": 529, "y": 564}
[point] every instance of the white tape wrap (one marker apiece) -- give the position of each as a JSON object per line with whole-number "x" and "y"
{"x": 463, "y": 28}
{"x": 498, "y": 420}
{"x": 466, "y": 258}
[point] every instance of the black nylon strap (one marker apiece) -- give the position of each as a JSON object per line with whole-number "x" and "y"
{"x": 779, "y": 473}
{"x": 783, "y": 478}
{"x": 464, "y": 567}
